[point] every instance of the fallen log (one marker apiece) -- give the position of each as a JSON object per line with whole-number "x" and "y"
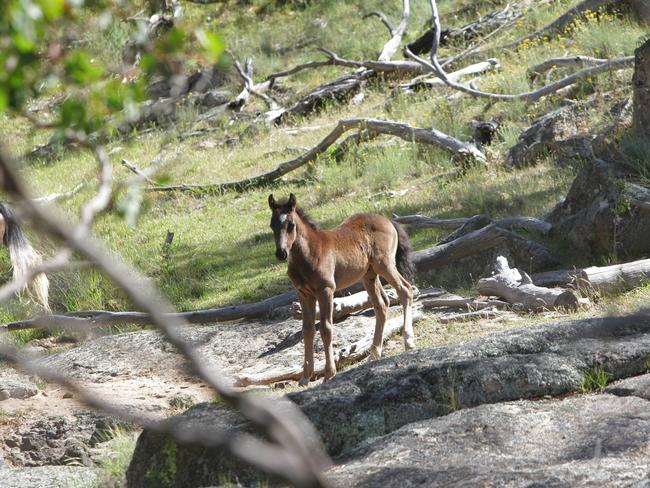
{"x": 472, "y": 30}
{"x": 470, "y": 304}
{"x": 479, "y": 241}
{"x": 615, "y": 278}
{"x": 600, "y": 279}
{"x": 373, "y": 126}
{"x": 353, "y": 353}
{"x": 518, "y": 289}
{"x": 559, "y": 24}
{"x": 359, "y": 302}
{"x": 527, "y": 223}
{"x": 210, "y": 315}
{"x": 468, "y": 316}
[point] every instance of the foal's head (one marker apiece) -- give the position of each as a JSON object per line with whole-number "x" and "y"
{"x": 283, "y": 223}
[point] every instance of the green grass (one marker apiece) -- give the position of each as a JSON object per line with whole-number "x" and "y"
{"x": 223, "y": 251}
{"x": 595, "y": 379}
{"x": 113, "y": 466}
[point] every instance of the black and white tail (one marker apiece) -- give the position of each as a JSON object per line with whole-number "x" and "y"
{"x": 403, "y": 255}
{"x": 22, "y": 255}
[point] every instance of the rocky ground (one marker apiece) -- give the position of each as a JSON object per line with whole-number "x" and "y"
{"x": 502, "y": 410}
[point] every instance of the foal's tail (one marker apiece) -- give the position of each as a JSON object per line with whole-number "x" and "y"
{"x": 403, "y": 255}
{"x": 23, "y": 256}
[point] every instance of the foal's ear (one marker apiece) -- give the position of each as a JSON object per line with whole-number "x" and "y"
{"x": 271, "y": 201}
{"x": 292, "y": 201}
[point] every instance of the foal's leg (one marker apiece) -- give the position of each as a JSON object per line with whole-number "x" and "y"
{"x": 308, "y": 305}
{"x": 326, "y": 305}
{"x": 379, "y": 302}
{"x": 405, "y": 293}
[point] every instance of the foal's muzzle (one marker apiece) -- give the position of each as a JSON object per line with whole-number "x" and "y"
{"x": 281, "y": 254}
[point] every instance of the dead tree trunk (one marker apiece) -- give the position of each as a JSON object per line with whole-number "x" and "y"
{"x": 479, "y": 241}
{"x": 518, "y": 288}
{"x": 601, "y": 279}
{"x": 641, "y": 84}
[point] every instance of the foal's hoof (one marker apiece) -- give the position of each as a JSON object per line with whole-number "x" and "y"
{"x": 303, "y": 381}
{"x": 375, "y": 353}
{"x": 409, "y": 344}
{"x": 328, "y": 377}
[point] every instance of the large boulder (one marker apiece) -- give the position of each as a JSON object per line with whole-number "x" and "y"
{"x": 381, "y": 396}
{"x": 604, "y": 214}
{"x": 586, "y": 440}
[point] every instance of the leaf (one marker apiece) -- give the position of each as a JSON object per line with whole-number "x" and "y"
{"x": 52, "y": 9}
{"x": 211, "y": 43}
{"x": 73, "y": 113}
{"x": 80, "y": 68}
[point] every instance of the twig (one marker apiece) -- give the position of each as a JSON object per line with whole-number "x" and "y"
{"x": 382, "y": 17}
{"x": 126, "y": 163}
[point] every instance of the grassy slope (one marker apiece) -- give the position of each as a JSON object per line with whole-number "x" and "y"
{"x": 223, "y": 251}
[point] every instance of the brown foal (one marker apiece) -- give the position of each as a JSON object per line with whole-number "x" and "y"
{"x": 363, "y": 248}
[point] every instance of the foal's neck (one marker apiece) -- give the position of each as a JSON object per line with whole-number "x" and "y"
{"x": 305, "y": 238}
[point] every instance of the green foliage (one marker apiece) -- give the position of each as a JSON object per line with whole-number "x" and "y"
{"x": 113, "y": 466}
{"x": 595, "y": 379}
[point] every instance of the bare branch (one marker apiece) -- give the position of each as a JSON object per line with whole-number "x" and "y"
{"x": 399, "y": 129}
{"x": 126, "y": 163}
{"x": 384, "y": 20}
{"x": 391, "y": 47}
{"x": 305, "y": 464}
{"x": 434, "y": 65}
{"x": 53, "y": 197}
{"x": 563, "y": 62}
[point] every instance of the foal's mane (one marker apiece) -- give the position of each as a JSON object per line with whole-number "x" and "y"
{"x": 301, "y": 213}
{"x": 307, "y": 219}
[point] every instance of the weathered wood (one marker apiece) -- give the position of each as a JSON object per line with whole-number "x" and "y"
{"x": 468, "y": 316}
{"x": 210, "y": 315}
{"x": 477, "y": 242}
{"x": 54, "y": 197}
{"x": 472, "y": 30}
{"x": 559, "y": 24}
{"x": 562, "y": 277}
{"x": 518, "y": 289}
{"x": 373, "y": 126}
{"x": 391, "y": 47}
{"x": 615, "y": 278}
{"x": 527, "y": 223}
{"x": 641, "y": 85}
{"x": 460, "y": 302}
{"x": 351, "y": 354}
{"x": 563, "y": 62}
{"x": 427, "y": 81}
{"x": 358, "y": 302}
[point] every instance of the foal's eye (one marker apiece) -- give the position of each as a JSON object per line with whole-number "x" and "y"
{"x": 290, "y": 226}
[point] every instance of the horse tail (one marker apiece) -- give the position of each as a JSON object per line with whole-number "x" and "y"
{"x": 23, "y": 256}
{"x": 403, "y": 259}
